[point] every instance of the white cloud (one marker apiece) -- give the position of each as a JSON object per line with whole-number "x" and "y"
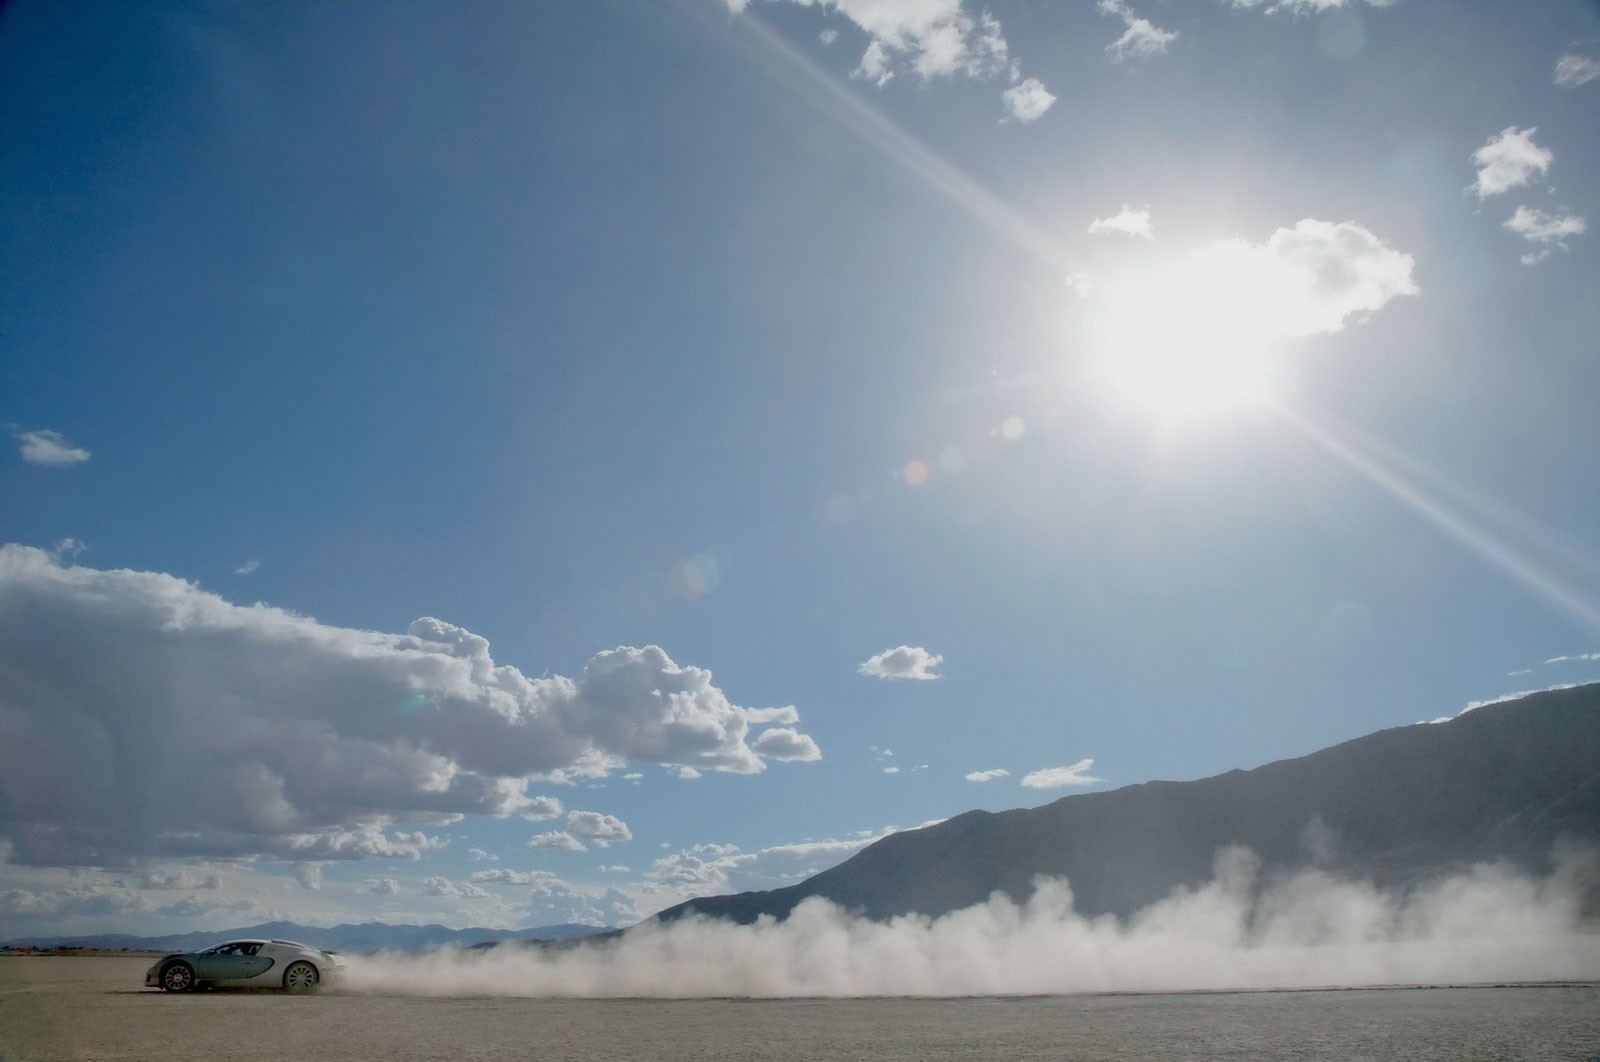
{"x": 178, "y": 879}
{"x": 556, "y": 839}
{"x": 49, "y": 448}
{"x": 1303, "y": 7}
{"x": 1333, "y": 272}
{"x": 718, "y": 869}
{"x": 1059, "y": 777}
{"x": 1509, "y": 160}
{"x": 1504, "y": 697}
{"x": 309, "y": 875}
{"x": 785, "y": 716}
{"x": 1574, "y": 70}
{"x": 786, "y": 743}
{"x": 436, "y": 886}
{"x": 1205, "y": 327}
{"x": 1550, "y": 230}
{"x": 1141, "y": 39}
{"x": 934, "y": 38}
{"x": 478, "y": 855}
{"x": 293, "y": 738}
{"x": 538, "y": 809}
{"x": 249, "y": 567}
{"x": 599, "y": 830}
{"x": 687, "y": 774}
{"x": 540, "y": 881}
{"x": 891, "y": 770}
{"x": 828, "y": 36}
{"x": 905, "y": 662}
{"x": 1027, "y": 100}
{"x": 988, "y": 776}
{"x": 380, "y": 886}
{"x": 1574, "y": 658}
{"x": 1128, "y": 221}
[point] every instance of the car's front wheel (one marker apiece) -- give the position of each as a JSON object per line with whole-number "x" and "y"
{"x": 177, "y": 977}
{"x": 300, "y": 977}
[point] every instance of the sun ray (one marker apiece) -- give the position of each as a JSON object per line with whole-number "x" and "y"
{"x": 1521, "y": 569}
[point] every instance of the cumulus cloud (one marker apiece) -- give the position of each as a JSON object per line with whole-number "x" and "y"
{"x": 599, "y": 830}
{"x": 785, "y": 716}
{"x": 540, "y": 881}
{"x": 556, "y": 839}
{"x": 1028, "y": 99}
{"x": 478, "y": 855}
{"x": 1210, "y": 323}
{"x": 933, "y": 38}
{"x": 1334, "y": 272}
{"x": 196, "y": 727}
{"x": 1303, "y": 7}
{"x": 537, "y": 809}
{"x": 437, "y": 886}
{"x": 1509, "y": 160}
{"x": 178, "y": 879}
{"x": 1574, "y": 70}
{"x": 1141, "y": 39}
{"x": 380, "y": 886}
{"x": 786, "y": 743}
{"x": 687, "y": 774}
{"x": 49, "y": 448}
{"x": 1548, "y": 229}
{"x": 1240, "y": 930}
{"x": 905, "y": 662}
{"x": 719, "y": 869}
{"x": 1129, "y": 221}
{"x": 988, "y": 776}
{"x": 1074, "y": 774}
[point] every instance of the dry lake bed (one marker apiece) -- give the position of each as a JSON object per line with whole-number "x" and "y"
{"x": 95, "y": 1008}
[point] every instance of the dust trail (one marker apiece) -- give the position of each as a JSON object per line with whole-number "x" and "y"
{"x": 1491, "y": 924}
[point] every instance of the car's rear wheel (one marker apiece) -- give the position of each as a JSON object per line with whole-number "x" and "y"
{"x": 300, "y": 977}
{"x": 177, "y": 977}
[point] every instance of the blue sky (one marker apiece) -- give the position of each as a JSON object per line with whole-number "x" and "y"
{"x": 508, "y": 464}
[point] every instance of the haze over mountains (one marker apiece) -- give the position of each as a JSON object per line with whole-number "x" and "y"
{"x": 1516, "y": 781}
{"x": 1507, "y": 781}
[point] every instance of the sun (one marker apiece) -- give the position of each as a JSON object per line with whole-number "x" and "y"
{"x": 1188, "y": 341}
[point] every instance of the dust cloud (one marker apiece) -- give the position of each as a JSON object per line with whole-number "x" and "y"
{"x": 1241, "y": 930}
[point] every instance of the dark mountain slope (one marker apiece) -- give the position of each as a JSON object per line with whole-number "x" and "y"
{"x": 1503, "y": 781}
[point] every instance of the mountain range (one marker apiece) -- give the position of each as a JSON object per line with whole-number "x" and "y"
{"x": 1505, "y": 781}
{"x": 1512, "y": 780}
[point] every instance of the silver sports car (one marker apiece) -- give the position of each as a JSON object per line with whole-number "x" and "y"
{"x": 246, "y": 963}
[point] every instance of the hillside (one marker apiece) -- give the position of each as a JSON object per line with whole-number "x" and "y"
{"x": 1504, "y": 781}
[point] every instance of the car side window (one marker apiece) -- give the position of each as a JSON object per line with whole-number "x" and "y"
{"x": 249, "y": 949}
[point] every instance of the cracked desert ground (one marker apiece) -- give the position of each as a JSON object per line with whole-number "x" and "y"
{"x": 95, "y": 1008}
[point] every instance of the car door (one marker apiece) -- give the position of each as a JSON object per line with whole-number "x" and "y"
{"x": 234, "y": 961}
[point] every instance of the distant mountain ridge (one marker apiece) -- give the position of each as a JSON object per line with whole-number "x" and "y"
{"x": 366, "y": 936}
{"x": 1503, "y": 781}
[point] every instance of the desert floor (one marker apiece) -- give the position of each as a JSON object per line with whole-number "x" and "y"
{"x": 82, "y": 1008}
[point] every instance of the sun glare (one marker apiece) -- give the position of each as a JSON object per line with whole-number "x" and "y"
{"x": 1190, "y": 341}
